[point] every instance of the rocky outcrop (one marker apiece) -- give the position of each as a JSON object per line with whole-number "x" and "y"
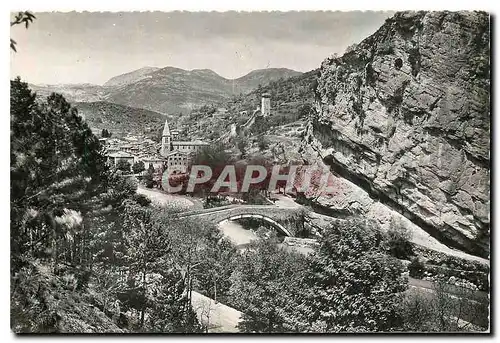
{"x": 405, "y": 115}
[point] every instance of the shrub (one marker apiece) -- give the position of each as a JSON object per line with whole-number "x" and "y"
{"x": 123, "y": 166}
{"x": 263, "y": 144}
{"x": 398, "y": 240}
{"x": 138, "y": 167}
{"x": 416, "y": 268}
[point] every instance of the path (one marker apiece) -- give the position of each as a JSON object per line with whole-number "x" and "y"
{"x": 163, "y": 199}
{"x": 218, "y": 317}
{"x": 418, "y": 235}
{"x": 284, "y": 201}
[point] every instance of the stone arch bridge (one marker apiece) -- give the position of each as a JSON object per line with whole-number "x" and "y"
{"x": 289, "y": 221}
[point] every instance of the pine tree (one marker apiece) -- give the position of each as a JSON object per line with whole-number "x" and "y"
{"x": 353, "y": 284}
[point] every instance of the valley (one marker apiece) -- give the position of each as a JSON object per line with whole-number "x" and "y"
{"x": 397, "y": 127}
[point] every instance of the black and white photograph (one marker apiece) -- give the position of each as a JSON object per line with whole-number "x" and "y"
{"x": 250, "y": 172}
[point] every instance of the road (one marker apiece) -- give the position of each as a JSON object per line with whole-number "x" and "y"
{"x": 177, "y": 202}
{"x": 218, "y": 317}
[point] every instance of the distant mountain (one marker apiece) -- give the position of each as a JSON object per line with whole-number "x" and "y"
{"x": 262, "y": 77}
{"x": 171, "y": 90}
{"x": 120, "y": 119}
{"x": 131, "y": 77}
{"x": 167, "y": 90}
{"x": 72, "y": 92}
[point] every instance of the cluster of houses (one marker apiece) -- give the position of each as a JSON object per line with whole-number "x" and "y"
{"x": 171, "y": 153}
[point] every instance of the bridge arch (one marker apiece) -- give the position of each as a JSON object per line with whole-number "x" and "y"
{"x": 274, "y": 223}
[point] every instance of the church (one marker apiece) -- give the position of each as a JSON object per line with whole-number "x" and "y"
{"x": 178, "y": 153}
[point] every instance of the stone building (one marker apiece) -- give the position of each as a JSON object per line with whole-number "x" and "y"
{"x": 115, "y": 157}
{"x": 178, "y": 153}
{"x": 265, "y": 107}
{"x": 157, "y": 163}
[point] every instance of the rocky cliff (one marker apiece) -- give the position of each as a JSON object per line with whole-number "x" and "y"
{"x": 405, "y": 115}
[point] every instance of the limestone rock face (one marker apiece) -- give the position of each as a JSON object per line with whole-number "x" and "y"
{"x": 406, "y": 116}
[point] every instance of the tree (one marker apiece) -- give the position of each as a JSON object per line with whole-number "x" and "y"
{"x": 215, "y": 157}
{"x": 57, "y": 167}
{"x": 263, "y": 143}
{"x": 21, "y": 18}
{"x": 241, "y": 142}
{"x": 149, "y": 178}
{"x": 267, "y": 287}
{"x": 147, "y": 252}
{"x": 105, "y": 133}
{"x": 304, "y": 110}
{"x": 123, "y": 165}
{"x": 398, "y": 239}
{"x": 138, "y": 167}
{"x": 353, "y": 284}
{"x": 444, "y": 308}
{"x": 168, "y": 312}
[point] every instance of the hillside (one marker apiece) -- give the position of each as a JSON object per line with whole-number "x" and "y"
{"x": 72, "y": 92}
{"x": 263, "y": 77}
{"x": 402, "y": 119}
{"x": 131, "y": 77}
{"x": 291, "y": 100}
{"x": 120, "y": 119}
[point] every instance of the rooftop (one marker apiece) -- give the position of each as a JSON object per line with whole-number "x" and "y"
{"x": 175, "y": 152}
{"x": 121, "y": 154}
{"x": 189, "y": 143}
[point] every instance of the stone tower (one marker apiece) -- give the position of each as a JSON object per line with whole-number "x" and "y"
{"x": 166, "y": 140}
{"x": 266, "y": 105}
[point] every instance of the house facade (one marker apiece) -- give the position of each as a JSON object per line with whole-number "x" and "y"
{"x": 178, "y": 153}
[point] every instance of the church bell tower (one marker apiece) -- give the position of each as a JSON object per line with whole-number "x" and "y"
{"x": 166, "y": 140}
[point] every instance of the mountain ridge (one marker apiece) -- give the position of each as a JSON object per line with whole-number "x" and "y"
{"x": 168, "y": 89}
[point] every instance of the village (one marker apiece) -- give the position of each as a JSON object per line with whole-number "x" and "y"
{"x": 140, "y": 154}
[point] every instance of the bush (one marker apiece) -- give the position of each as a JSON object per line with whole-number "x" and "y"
{"x": 416, "y": 268}
{"x": 263, "y": 144}
{"x": 138, "y": 167}
{"x": 123, "y": 166}
{"x": 398, "y": 240}
{"x": 142, "y": 200}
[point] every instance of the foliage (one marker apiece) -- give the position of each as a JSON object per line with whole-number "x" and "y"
{"x": 398, "y": 239}
{"x": 57, "y": 167}
{"x": 263, "y": 143}
{"x": 353, "y": 285}
{"x": 241, "y": 142}
{"x": 84, "y": 232}
{"x": 149, "y": 177}
{"x": 138, "y": 167}
{"x": 123, "y": 165}
{"x": 266, "y": 287}
{"x": 444, "y": 309}
{"x": 416, "y": 268}
{"x": 214, "y": 156}
{"x": 105, "y": 133}
{"x": 21, "y": 18}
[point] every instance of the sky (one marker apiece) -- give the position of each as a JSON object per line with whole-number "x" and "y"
{"x": 92, "y": 47}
